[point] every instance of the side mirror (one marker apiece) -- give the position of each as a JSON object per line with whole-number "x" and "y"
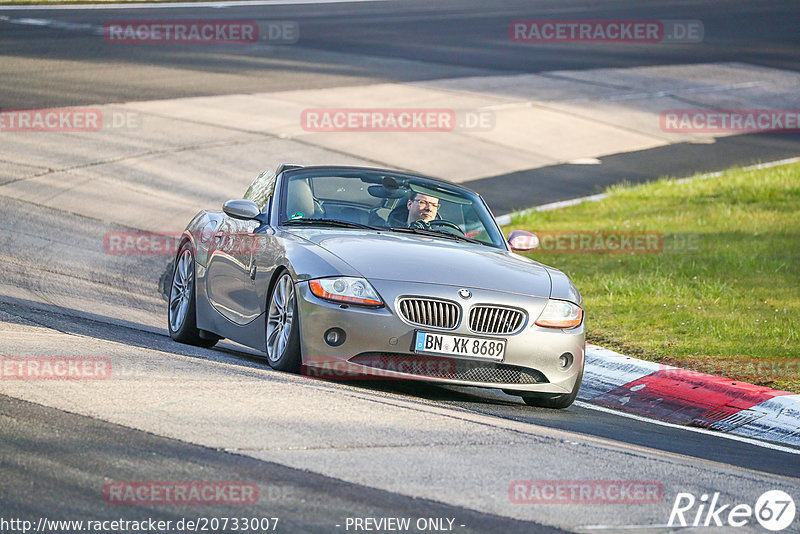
{"x": 241, "y": 209}
{"x": 520, "y": 240}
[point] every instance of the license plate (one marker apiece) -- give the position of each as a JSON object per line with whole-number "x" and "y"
{"x": 460, "y": 345}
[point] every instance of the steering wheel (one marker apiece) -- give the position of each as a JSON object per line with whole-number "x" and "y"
{"x": 437, "y": 224}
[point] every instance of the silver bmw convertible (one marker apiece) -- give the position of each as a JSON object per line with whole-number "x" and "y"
{"x": 346, "y": 271}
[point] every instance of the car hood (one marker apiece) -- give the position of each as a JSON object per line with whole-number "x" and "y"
{"x": 414, "y": 258}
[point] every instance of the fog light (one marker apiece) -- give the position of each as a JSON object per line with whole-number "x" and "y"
{"x": 334, "y": 337}
{"x": 565, "y": 360}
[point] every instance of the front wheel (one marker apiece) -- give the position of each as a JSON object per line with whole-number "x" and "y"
{"x": 283, "y": 326}
{"x": 182, "y": 311}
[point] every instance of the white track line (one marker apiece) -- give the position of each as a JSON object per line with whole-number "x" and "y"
{"x": 627, "y": 527}
{"x": 175, "y": 5}
{"x": 763, "y": 444}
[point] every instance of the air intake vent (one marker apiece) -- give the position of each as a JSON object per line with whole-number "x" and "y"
{"x": 495, "y": 320}
{"x": 430, "y": 312}
{"x": 450, "y": 368}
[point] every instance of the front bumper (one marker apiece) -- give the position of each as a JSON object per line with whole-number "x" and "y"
{"x": 379, "y": 342}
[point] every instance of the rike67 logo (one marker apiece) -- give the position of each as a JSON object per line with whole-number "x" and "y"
{"x": 774, "y": 510}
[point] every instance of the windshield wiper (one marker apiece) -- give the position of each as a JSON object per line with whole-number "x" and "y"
{"x": 330, "y": 222}
{"x": 434, "y": 233}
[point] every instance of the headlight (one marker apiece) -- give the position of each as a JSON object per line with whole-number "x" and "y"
{"x": 346, "y": 289}
{"x": 560, "y": 314}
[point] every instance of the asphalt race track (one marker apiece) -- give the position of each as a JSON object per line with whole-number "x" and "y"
{"x": 345, "y": 43}
{"x": 322, "y": 453}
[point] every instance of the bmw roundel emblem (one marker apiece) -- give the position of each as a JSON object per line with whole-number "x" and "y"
{"x": 464, "y": 293}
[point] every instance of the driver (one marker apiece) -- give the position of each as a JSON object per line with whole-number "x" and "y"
{"x": 422, "y": 209}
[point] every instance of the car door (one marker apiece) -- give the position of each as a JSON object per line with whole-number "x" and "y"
{"x": 266, "y": 253}
{"x": 229, "y": 269}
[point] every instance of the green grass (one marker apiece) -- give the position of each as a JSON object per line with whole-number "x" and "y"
{"x": 723, "y": 296}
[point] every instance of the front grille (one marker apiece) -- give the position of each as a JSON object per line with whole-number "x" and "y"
{"x": 430, "y": 312}
{"x": 486, "y": 319}
{"x": 450, "y": 368}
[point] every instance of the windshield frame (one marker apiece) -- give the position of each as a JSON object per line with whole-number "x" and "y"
{"x": 406, "y": 180}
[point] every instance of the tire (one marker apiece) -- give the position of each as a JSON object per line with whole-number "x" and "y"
{"x": 181, "y": 307}
{"x": 283, "y": 326}
{"x": 558, "y": 401}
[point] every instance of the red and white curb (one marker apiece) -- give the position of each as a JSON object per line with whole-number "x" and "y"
{"x": 684, "y": 397}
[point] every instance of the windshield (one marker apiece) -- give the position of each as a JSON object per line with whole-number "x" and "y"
{"x": 384, "y": 201}
{"x": 260, "y": 190}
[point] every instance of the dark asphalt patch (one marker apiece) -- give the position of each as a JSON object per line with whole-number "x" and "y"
{"x": 519, "y": 190}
